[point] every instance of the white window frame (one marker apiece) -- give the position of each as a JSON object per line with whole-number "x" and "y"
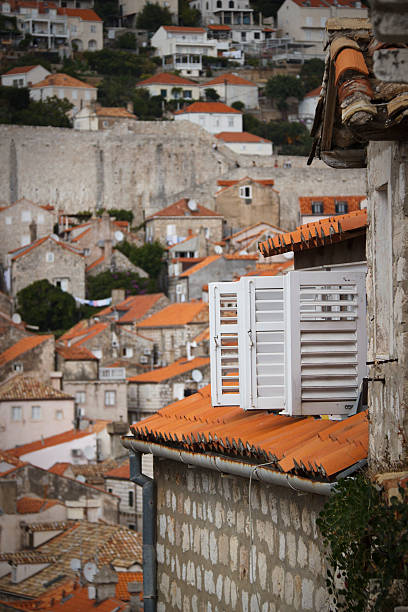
{"x": 80, "y": 397}
{"x": 59, "y": 415}
{"x": 245, "y": 192}
{"x": 16, "y": 414}
{"x": 49, "y": 257}
{"x": 36, "y": 413}
{"x": 8, "y": 220}
{"x": 26, "y": 216}
{"x": 321, "y": 338}
{"x": 110, "y": 398}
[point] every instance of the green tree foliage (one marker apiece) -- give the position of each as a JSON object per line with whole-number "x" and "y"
{"x": 288, "y": 138}
{"x": 153, "y": 16}
{"x": 101, "y": 285}
{"x": 366, "y": 540}
{"x": 211, "y": 94}
{"x": 108, "y": 11}
{"x": 281, "y": 87}
{"x": 47, "y": 306}
{"x": 128, "y": 40}
{"x": 238, "y": 105}
{"x": 311, "y": 74}
{"x": 268, "y": 8}
{"x": 188, "y": 16}
{"x": 51, "y": 111}
{"x": 148, "y": 257}
{"x": 119, "y": 90}
{"x": 17, "y": 108}
{"x": 116, "y": 62}
{"x": 120, "y": 214}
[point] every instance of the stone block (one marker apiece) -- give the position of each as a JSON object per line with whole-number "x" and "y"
{"x": 282, "y": 546}
{"x": 223, "y": 549}
{"x": 289, "y": 588}
{"x": 243, "y": 563}
{"x": 233, "y": 553}
{"x": 213, "y": 548}
{"x": 278, "y": 581}
{"x": 291, "y": 548}
{"x": 302, "y": 553}
{"x": 307, "y": 594}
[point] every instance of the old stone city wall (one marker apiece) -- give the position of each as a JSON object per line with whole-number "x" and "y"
{"x": 147, "y": 168}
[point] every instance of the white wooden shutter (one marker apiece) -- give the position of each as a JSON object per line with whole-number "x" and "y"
{"x": 262, "y": 346}
{"x": 325, "y": 333}
{"x": 224, "y": 304}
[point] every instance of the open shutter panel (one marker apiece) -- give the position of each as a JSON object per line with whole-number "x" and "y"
{"x": 224, "y": 301}
{"x": 262, "y": 344}
{"x": 325, "y": 340}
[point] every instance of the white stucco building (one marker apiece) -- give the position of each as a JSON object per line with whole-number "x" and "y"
{"x": 214, "y": 117}
{"x": 307, "y": 107}
{"x": 245, "y": 143}
{"x": 181, "y": 48}
{"x": 24, "y": 76}
{"x": 62, "y": 85}
{"x": 170, "y": 86}
{"x": 229, "y": 12}
{"x": 233, "y": 88}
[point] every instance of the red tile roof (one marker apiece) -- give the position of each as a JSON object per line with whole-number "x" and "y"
{"x": 181, "y": 366}
{"x": 84, "y": 14}
{"x": 75, "y": 353}
{"x": 319, "y": 233}
{"x": 226, "y": 184}
{"x": 22, "y": 387}
{"x": 329, "y": 203}
{"x": 80, "y": 602}
{"x": 350, "y": 59}
{"x": 218, "y": 27}
{"x": 30, "y": 505}
{"x": 59, "y": 79}
{"x": 203, "y": 264}
{"x": 314, "y": 93}
{"x": 114, "y": 111}
{"x": 27, "y": 249}
{"x": 94, "y": 263}
{"x": 124, "y": 579}
{"x": 177, "y": 315}
{"x": 20, "y": 69}
{"x": 165, "y": 78}
{"x": 208, "y": 107}
{"x": 231, "y": 79}
{"x": 63, "y": 438}
{"x": 134, "y": 307}
{"x": 181, "y": 209}
{"x": 122, "y": 472}
{"x": 59, "y": 468}
{"x": 79, "y": 335}
{"x": 183, "y": 29}
{"x": 240, "y": 137}
{"x": 22, "y": 346}
{"x": 316, "y": 448}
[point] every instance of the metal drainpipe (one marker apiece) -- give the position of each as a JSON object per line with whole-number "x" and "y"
{"x": 149, "y": 530}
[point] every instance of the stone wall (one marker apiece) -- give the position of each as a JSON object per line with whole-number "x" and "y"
{"x": 94, "y": 405}
{"x": 128, "y": 515}
{"x": 263, "y": 205}
{"x": 208, "y": 559}
{"x": 148, "y": 168}
{"x": 158, "y": 226}
{"x": 37, "y": 362}
{"x": 387, "y": 298}
{"x": 171, "y": 341}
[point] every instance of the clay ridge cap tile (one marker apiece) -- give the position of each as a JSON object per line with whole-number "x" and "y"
{"x": 340, "y": 43}
{"x": 350, "y": 59}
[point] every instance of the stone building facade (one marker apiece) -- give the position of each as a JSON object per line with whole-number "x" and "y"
{"x": 214, "y": 553}
{"x": 99, "y": 399}
{"x": 49, "y": 259}
{"x": 33, "y": 355}
{"x": 22, "y": 223}
{"x": 248, "y": 201}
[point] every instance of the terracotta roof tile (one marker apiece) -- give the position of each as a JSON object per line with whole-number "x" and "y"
{"x": 315, "y": 92}
{"x": 27, "y": 556}
{"x": 22, "y": 387}
{"x": 350, "y": 59}
{"x": 312, "y": 447}
{"x": 75, "y": 353}
{"x": 124, "y": 579}
{"x": 115, "y": 111}
{"x": 182, "y": 29}
{"x": 31, "y": 505}
{"x": 312, "y": 235}
{"x": 84, "y": 14}
{"x": 95, "y": 263}
{"x": 329, "y": 203}
{"x": 180, "y": 209}
{"x": 203, "y": 264}
{"x": 204, "y": 335}
{"x": 66, "y": 436}
{"x": 135, "y": 307}
{"x": 181, "y": 366}
{"x": 165, "y": 78}
{"x": 219, "y": 27}
{"x": 30, "y": 247}
{"x": 176, "y": 315}
{"x": 240, "y": 137}
{"x": 231, "y": 79}
{"x": 80, "y": 602}
{"x": 208, "y": 107}
{"x": 122, "y": 472}
{"x": 22, "y": 346}
{"x": 59, "y": 79}
{"x": 82, "y": 333}
{"x": 20, "y": 70}
{"x": 59, "y": 468}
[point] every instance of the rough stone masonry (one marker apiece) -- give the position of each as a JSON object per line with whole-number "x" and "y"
{"x": 214, "y": 553}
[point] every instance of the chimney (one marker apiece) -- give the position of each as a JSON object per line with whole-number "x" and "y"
{"x": 107, "y": 250}
{"x": 33, "y": 231}
{"x": 134, "y": 590}
{"x": 105, "y": 582}
{"x": 130, "y": 107}
{"x": 118, "y": 295}
{"x": 56, "y": 380}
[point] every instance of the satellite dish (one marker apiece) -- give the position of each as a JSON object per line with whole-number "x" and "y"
{"x": 218, "y": 249}
{"x": 89, "y": 452}
{"x": 197, "y": 376}
{"x": 90, "y": 570}
{"x": 81, "y": 478}
{"x": 119, "y": 236}
{"x": 192, "y": 205}
{"x": 16, "y": 318}
{"x": 75, "y": 564}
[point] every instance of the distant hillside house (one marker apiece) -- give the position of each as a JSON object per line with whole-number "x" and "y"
{"x": 247, "y": 201}
{"x": 32, "y": 355}
{"x": 227, "y": 12}
{"x": 245, "y": 143}
{"x": 170, "y": 86}
{"x": 24, "y": 76}
{"x": 49, "y": 258}
{"x": 307, "y": 107}
{"x": 85, "y": 28}
{"x": 313, "y": 208}
{"x": 182, "y": 48}
{"x": 62, "y": 86}
{"x": 102, "y": 118}
{"x": 233, "y": 88}
{"x": 176, "y": 222}
{"x": 215, "y": 117}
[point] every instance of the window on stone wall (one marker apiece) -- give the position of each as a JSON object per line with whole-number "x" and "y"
{"x": 245, "y": 192}
{"x": 317, "y": 208}
{"x": 59, "y": 415}
{"x": 26, "y": 216}
{"x": 80, "y": 397}
{"x": 341, "y": 207}
{"x": 18, "y": 367}
{"x": 131, "y": 501}
{"x": 110, "y": 398}
{"x": 16, "y": 413}
{"x": 49, "y": 257}
{"x": 36, "y": 413}
{"x": 8, "y": 220}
